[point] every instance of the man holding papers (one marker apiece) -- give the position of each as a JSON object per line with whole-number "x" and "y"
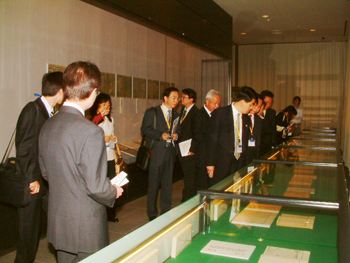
{"x": 186, "y": 157}
{"x": 161, "y": 127}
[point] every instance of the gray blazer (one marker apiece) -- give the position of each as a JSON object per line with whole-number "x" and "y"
{"x": 73, "y": 160}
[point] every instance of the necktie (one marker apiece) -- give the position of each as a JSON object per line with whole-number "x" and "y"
{"x": 169, "y": 116}
{"x": 237, "y": 139}
{"x": 251, "y": 123}
{"x": 183, "y": 116}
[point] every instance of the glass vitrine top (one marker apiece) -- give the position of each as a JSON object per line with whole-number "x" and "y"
{"x": 284, "y": 180}
{"x": 302, "y": 155}
{"x": 293, "y": 142}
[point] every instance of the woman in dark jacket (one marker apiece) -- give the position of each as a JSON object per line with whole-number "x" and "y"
{"x": 283, "y": 119}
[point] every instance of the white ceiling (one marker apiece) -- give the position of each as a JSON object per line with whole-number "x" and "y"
{"x": 294, "y": 17}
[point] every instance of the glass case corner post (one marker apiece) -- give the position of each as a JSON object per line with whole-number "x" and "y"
{"x": 203, "y": 216}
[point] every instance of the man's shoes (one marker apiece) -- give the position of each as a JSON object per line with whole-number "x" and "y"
{"x": 115, "y": 219}
{"x": 152, "y": 218}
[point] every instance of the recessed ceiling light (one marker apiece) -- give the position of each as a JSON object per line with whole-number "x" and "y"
{"x": 276, "y": 32}
{"x": 312, "y": 30}
{"x": 265, "y": 16}
{"x": 243, "y": 33}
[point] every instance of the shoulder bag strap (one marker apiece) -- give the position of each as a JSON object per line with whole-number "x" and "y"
{"x": 8, "y": 146}
{"x": 154, "y": 123}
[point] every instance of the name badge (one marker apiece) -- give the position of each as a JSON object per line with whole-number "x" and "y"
{"x": 251, "y": 143}
{"x": 239, "y": 149}
{"x": 250, "y": 169}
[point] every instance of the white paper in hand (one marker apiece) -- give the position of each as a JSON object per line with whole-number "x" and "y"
{"x": 120, "y": 179}
{"x": 185, "y": 147}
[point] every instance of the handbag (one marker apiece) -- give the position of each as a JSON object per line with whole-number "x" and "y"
{"x": 144, "y": 154}
{"x": 120, "y": 165}
{"x": 14, "y": 187}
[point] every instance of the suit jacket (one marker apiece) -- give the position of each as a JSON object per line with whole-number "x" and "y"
{"x": 28, "y": 127}
{"x": 199, "y": 136}
{"x": 186, "y": 125}
{"x": 268, "y": 131}
{"x": 253, "y": 152}
{"x": 282, "y": 121}
{"x": 147, "y": 128}
{"x": 72, "y": 158}
{"x": 221, "y": 141}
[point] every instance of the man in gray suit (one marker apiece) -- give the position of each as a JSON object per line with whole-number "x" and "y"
{"x": 73, "y": 160}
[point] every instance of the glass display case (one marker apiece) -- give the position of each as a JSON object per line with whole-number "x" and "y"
{"x": 292, "y": 202}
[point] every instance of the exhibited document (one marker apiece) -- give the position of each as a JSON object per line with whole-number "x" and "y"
{"x": 120, "y": 179}
{"x": 257, "y": 215}
{"x": 297, "y": 221}
{"x": 227, "y": 249}
{"x": 185, "y": 147}
{"x": 278, "y": 255}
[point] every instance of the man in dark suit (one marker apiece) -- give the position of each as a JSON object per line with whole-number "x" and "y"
{"x": 29, "y": 123}
{"x": 254, "y": 122}
{"x": 188, "y": 160}
{"x": 225, "y": 135}
{"x": 163, "y": 150}
{"x": 268, "y": 131}
{"x": 199, "y": 131}
{"x": 73, "y": 159}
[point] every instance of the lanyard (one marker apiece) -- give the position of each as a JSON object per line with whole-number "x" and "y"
{"x": 251, "y": 127}
{"x": 184, "y": 117}
{"x": 238, "y": 130}
{"x": 166, "y": 118}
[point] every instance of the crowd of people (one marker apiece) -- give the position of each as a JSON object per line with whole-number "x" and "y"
{"x": 74, "y": 157}
{"x": 210, "y": 143}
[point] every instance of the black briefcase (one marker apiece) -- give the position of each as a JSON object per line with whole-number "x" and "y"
{"x": 14, "y": 188}
{"x": 143, "y": 158}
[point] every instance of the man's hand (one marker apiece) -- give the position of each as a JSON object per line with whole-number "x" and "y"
{"x": 107, "y": 139}
{"x": 175, "y": 136}
{"x": 210, "y": 171}
{"x": 34, "y": 187}
{"x": 119, "y": 191}
{"x": 165, "y": 136}
{"x": 113, "y": 138}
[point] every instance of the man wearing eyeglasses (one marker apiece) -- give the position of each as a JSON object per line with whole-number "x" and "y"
{"x": 187, "y": 159}
{"x": 162, "y": 139}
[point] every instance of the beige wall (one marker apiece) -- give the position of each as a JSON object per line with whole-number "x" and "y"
{"x": 345, "y": 128}
{"x": 37, "y": 32}
{"x": 313, "y": 71}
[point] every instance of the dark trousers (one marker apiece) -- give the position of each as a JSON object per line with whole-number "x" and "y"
{"x": 189, "y": 171}
{"x": 202, "y": 178}
{"x": 111, "y": 211}
{"x": 29, "y": 229}
{"x": 160, "y": 177}
{"x": 66, "y": 257}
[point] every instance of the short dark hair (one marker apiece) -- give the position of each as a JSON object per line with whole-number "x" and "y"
{"x": 190, "y": 93}
{"x": 247, "y": 94}
{"x": 167, "y": 91}
{"x": 291, "y": 110}
{"x": 80, "y": 79}
{"x": 51, "y": 83}
{"x": 101, "y": 98}
{"x": 267, "y": 93}
{"x": 297, "y": 98}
